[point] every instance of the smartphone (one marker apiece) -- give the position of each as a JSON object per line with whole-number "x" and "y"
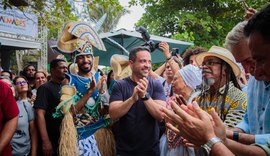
{"x": 175, "y": 51}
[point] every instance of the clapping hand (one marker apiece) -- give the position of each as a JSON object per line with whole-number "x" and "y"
{"x": 141, "y": 89}
{"x": 93, "y": 85}
{"x": 191, "y": 122}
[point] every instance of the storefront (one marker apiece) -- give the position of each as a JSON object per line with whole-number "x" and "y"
{"x": 18, "y": 31}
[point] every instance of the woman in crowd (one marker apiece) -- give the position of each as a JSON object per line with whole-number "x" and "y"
{"x": 110, "y": 81}
{"x": 191, "y": 53}
{"x": 24, "y": 141}
{"x": 184, "y": 83}
{"x": 40, "y": 78}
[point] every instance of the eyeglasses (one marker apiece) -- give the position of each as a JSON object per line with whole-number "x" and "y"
{"x": 210, "y": 63}
{"x": 21, "y": 83}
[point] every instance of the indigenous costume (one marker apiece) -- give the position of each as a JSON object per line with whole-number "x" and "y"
{"x": 78, "y": 38}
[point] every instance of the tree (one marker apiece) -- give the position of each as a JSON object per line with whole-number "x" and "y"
{"x": 55, "y": 13}
{"x": 204, "y": 22}
{"x": 113, "y": 10}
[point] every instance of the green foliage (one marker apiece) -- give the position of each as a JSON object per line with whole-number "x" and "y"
{"x": 112, "y": 8}
{"x": 204, "y": 22}
{"x": 55, "y": 13}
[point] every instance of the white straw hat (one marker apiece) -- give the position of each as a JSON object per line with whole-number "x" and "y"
{"x": 223, "y": 54}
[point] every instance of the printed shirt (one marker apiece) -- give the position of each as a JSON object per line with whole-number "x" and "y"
{"x": 234, "y": 108}
{"x": 256, "y": 120}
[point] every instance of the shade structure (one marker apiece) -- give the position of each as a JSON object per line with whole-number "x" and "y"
{"x": 130, "y": 39}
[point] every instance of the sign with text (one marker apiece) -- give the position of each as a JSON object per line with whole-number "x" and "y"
{"x": 17, "y": 22}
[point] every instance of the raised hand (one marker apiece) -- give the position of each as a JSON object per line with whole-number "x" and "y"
{"x": 93, "y": 85}
{"x": 101, "y": 81}
{"x": 249, "y": 13}
{"x": 164, "y": 46}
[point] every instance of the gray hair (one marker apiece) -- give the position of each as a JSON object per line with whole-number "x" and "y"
{"x": 235, "y": 35}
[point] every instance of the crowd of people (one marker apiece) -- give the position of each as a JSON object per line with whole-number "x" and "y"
{"x": 200, "y": 103}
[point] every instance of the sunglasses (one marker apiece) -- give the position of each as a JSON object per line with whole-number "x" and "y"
{"x": 21, "y": 83}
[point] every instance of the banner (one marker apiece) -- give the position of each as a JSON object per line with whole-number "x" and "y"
{"x": 17, "y": 22}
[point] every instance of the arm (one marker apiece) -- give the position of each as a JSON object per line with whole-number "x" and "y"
{"x": 165, "y": 48}
{"x": 242, "y": 137}
{"x": 46, "y": 143}
{"x": 244, "y": 150}
{"x": 154, "y": 108}
{"x": 7, "y": 132}
{"x": 117, "y": 109}
{"x": 219, "y": 149}
{"x": 34, "y": 138}
{"x": 160, "y": 69}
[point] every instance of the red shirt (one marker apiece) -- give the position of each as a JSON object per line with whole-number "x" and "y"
{"x": 8, "y": 110}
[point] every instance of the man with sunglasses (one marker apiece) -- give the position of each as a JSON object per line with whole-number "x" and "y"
{"x": 220, "y": 89}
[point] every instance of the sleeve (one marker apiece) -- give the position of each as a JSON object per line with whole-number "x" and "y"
{"x": 41, "y": 101}
{"x": 158, "y": 92}
{"x": 265, "y": 147}
{"x": 9, "y": 106}
{"x": 237, "y": 109}
{"x": 262, "y": 138}
{"x": 243, "y": 125}
{"x": 116, "y": 93}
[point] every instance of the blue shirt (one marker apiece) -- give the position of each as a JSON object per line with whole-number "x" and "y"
{"x": 257, "y": 118}
{"x": 137, "y": 132}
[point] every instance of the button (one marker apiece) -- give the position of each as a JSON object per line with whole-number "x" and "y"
{"x": 263, "y": 109}
{"x": 261, "y": 128}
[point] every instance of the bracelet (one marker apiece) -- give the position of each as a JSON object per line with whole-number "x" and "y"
{"x": 235, "y": 136}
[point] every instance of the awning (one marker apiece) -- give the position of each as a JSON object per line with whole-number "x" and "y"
{"x": 130, "y": 39}
{"x": 17, "y": 44}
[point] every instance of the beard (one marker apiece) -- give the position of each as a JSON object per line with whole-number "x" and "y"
{"x": 144, "y": 74}
{"x": 207, "y": 82}
{"x": 84, "y": 70}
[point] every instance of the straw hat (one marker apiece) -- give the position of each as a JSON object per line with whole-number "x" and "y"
{"x": 223, "y": 54}
{"x": 79, "y": 37}
{"x": 120, "y": 66}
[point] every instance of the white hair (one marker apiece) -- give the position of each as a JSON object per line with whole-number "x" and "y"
{"x": 235, "y": 35}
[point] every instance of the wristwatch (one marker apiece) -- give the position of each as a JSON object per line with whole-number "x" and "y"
{"x": 205, "y": 149}
{"x": 146, "y": 97}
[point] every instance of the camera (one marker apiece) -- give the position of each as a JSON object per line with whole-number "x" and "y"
{"x": 150, "y": 44}
{"x": 175, "y": 51}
